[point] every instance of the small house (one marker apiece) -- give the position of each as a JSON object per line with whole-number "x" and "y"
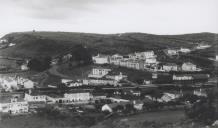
{"x": 100, "y": 59}
{"x": 188, "y": 66}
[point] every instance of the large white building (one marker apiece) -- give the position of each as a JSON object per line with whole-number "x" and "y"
{"x": 35, "y": 97}
{"x": 100, "y": 81}
{"x": 182, "y": 77}
{"x": 100, "y": 59}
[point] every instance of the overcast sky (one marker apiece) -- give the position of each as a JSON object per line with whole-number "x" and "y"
{"x": 109, "y": 16}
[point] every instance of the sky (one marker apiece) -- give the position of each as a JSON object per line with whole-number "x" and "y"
{"x": 109, "y": 16}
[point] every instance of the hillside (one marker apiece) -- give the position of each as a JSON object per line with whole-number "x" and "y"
{"x": 31, "y": 44}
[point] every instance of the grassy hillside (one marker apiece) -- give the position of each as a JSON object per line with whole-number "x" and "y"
{"x": 31, "y": 44}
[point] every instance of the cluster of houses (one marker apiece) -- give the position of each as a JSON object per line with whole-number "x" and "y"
{"x": 176, "y": 51}
{"x": 144, "y": 61}
{"x": 137, "y": 60}
{"x": 8, "y": 83}
{"x": 185, "y": 67}
{"x": 97, "y": 76}
{"x": 104, "y": 76}
{"x": 18, "y": 104}
{"x": 173, "y": 52}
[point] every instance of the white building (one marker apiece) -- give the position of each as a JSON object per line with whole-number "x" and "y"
{"x": 116, "y": 77}
{"x": 171, "y": 52}
{"x": 185, "y": 50}
{"x": 115, "y": 59}
{"x": 151, "y": 60}
{"x": 100, "y": 81}
{"x": 182, "y": 77}
{"x": 26, "y": 83}
{"x": 35, "y": 98}
{"x": 170, "y": 67}
{"x": 14, "y": 106}
{"x": 168, "y": 97}
{"x": 100, "y": 59}
{"x": 99, "y": 72}
{"x": 203, "y": 46}
{"x": 71, "y": 98}
{"x": 216, "y": 57}
{"x": 189, "y": 67}
{"x": 82, "y": 96}
{"x": 24, "y": 67}
{"x": 112, "y": 106}
{"x": 145, "y": 55}
{"x": 200, "y": 92}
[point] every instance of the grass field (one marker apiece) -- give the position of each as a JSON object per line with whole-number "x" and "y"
{"x": 142, "y": 120}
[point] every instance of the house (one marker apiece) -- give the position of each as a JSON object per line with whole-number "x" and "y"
{"x": 171, "y": 52}
{"x": 115, "y": 59}
{"x": 185, "y": 50}
{"x": 99, "y": 96}
{"x": 8, "y": 83}
{"x": 111, "y": 107}
{"x": 99, "y": 81}
{"x": 24, "y": 67}
{"x": 26, "y": 83}
{"x": 138, "y": 104}
{"x": 100, "y": 59}
{"x": 67, "y": 57}
{"x": 200, "y": 92}
{"x": 70, "y": 98}
{"x": 134, "y": 64}
{"x": 13, "y": 105}
{"x": 54, "y": 61}
{"x": 65, "y": 81}
{"x": 35, "y": 97}
{"x": 78, "y": 96}
{"x": 170, "y": 67}
{"x": 151, "y": 60}
{"x": 118, "y": 100}
{"x": 216, "y": 57}
{"x": 168, "y": 97}
{"x": 3, "y": 40}
{"x": 99, "y": 72}
{"x": 145, "y": 55}
{"x": 203, "y": 46}
{"x": 75, "y": 83}
{"x": 11, "y": 44}
{"x": 188, "y": 66}
{"x": 135, "y": 92}
{"x": 116, "y": 76}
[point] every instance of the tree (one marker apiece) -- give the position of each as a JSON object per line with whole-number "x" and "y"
{"x": 129, "y": 108}
{"x": 119, "y": 108}
{"x": 81, "y": 55}
{"x": 39, "y": 64}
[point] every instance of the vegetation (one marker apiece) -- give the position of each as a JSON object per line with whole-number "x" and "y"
{"x": 39, "y": 64}
{"x": 205, "y": 109}
{"x": 32, "y": 44}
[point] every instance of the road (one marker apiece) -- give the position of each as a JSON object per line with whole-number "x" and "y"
{"x": 53, "y": 71}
